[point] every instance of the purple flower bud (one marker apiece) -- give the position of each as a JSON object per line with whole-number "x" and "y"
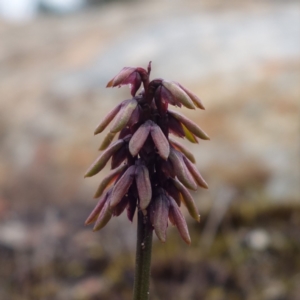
{"x": 182, "y": 149}
{"x": 129, "y": 76}
{"x": 135, "y": 81}
{"x": 135, "y": 117}
{"x": 160, "y": 216}
{"x": 194, "y": 98}
{"x": 176, "y": 216}
{"x": 123, "y": 115}
{"x": 139, "y": 137}
{"x": 104, "y": 217}
{"x": 107, "y": 141}
{"x": 189, "y": 136}
{"x": 160, "y": 141}
{"x": 120, "y": 207}
{"x": 121, "y": 77}
{"x": 197, "y": 176}
{"x": 143, "y": 185}
{"x": 109, "y": 117}
{"x": 166, "y": 96}
{"x": 188, "y": 200}
{"x": 173, "y": 191}
{"x": 181, "y": 170}
{"x": 109, "y": 179}
{"x": 175, "y": 126}
{"x": 122, "y": 186}
{"x": 94, "y": 214}
{"x": 119, "y": 156}
{"x": 101, "y": 161}
{"x": 179, "y": 94}
{"x": 190, "y": 125}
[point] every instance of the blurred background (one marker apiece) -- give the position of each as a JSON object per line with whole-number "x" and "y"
{"x": 241, "y": 57}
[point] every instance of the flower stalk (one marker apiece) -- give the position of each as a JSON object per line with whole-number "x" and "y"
{"x": 150, "y": 171}
{"x": 142, "y": 258}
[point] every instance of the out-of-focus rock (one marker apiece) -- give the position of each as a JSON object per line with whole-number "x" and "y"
{"x": 60, "y": 6}
{"x": 274, "y": 291}
{"x": 24, "y": 10}
{"x": 258, "y": 239}
{"x": 14, "y": 235}
{"x": 88, "y": 288}
{"x": 18, "y": 10}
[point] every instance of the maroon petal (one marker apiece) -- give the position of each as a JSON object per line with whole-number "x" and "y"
{"x": 101, "y": 161}
{"x": 109, "y": 117}
{"x": 104, "y": 217}
{"x": 189, "y": 135}
{"x": 181, "y": 169}
{"x": 188, "y": 200}
{"x": 166, "y": 96}
{"x": 173, "y": 191}
{"x": 107, "y": 141}
{"x": 182, "y": 149}
{"x": 135, "y": 117}
{"x": 194, "y": 98}
{"x": 118, "y": 157}
{"x": 122, "y": 186}
{"x": 143, "y": 186}
{"x": 139, "y": 137}
{"x": 121, "y": 77}
{"x": 120, "y": 207}
{"x": 160, "y": 141}
{"x": 197, "y": 176}
{"x": 135, "y": 80}
{"x": 123, "y": 116}
{"x": 179, "y": 94}
{"x": 94, "y": 214}
{"x": 109, "y": 179}
{"x": 160, "y": 217}
{"x": 190, "y": 125}
{"x": 175, "y": 126}
{"x": 179, "y": 220}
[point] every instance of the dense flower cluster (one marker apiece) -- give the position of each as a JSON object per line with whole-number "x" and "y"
{"x": 149, "y": 169}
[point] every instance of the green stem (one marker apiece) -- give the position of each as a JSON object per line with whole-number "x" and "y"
{"x": 143, "y": 258}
